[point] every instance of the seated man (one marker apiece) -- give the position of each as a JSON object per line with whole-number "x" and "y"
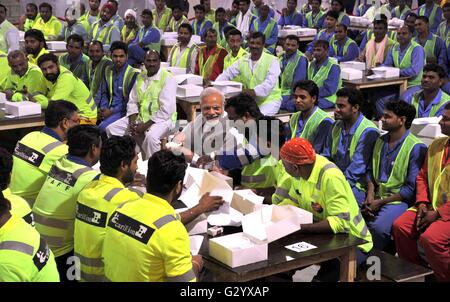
{"x": 24, "y": 80}
{"x": 75, "y": 60}
{"x": 161, "y": 14}
{"x": 431, "y": 100}
{"x": 130, "y": 30}
{"x": 116, "y": 85}
{"x": 290, "y": 15}
{"x": 342, "y": 48}
{"x": 324, "y": 34}
{"x": 55, "y": 205}
{"x": 426, "y": 225}
{"x": 210, "y": 13}
{"x": 31, "y": 16}
{"x": 93, "y": 14}
{"x": 48, "y": 24}
{"x": 315, "y": 17}
{"x": 338, "y": 7}
{"x": 391, "y": 182}
{"x": 434, "y": 13}
{"x": 309, "y": 121}
{"x": 326, "y": 73}
{"x": 351, "y": 142}
{"x": 72, "y": 26}
{"x": 151, "y": 109}
{"x": 149, "y": 253}
{"x": 401, "y": 10}
{"x": 362, "y": 8}
{"x": 257, "y": 4}
{"x": 200, "y": 24}
{"x": 210, "y": 57}
{"x": 177, "y": 19}
{"x": 222, "y": 26}
{"x": 147, "y": 38}
{"x": 267, "y": 26}
{"x": 294, "y": 68}
{"x": 104, "y": 29}
{"x": 35, "y": 45}
{"x": 244, "y": 18}
{"x": 435, "y": 50}
{"x": 234, "y": 41}
{"x": 9, "y": 35}
{"x": 319, "y": 187}
{"x": 184, "y": 53}
{"x": 95, "y": 67}
{"x": 116, "y": 19}
{"x": 259, "y": 72}
{"x": 37, "y": 151}
{"x": 444, "y": 28}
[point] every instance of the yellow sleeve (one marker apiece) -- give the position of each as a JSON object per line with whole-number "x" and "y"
{"x": 64, "y": 87}
{"x": 337, "y": 204}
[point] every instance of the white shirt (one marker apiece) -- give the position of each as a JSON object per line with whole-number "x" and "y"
{"x": 12, "y": 38}
{"x": 243, "y": 22}
{"x": 261, "y": 90}
{"x": 167, "y": 98}
{"x": 193, "y": 56}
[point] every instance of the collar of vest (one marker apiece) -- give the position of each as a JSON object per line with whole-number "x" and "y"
{"x": 435, "y": 101}
{"x": 318, "y": 165}
{"x": 385, "y": 138}
{"x": 51, "y": 132}
{"x": 111, "y": 180}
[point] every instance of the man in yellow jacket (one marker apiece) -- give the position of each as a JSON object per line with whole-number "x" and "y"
{"x": 47, "y": 23}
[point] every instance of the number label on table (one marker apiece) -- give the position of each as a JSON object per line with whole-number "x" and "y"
{"x": 300, "y": 247}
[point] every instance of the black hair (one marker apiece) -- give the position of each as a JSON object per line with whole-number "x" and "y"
{"x": 116, "y": 3}
{"x": 446, "y": 4}
{"x": 36, "y": 34}
{"x": 246, "y": 1}
{"x": 200, "y": 7}
{"x": 211, "y": 31}
{"x": 233, "y": 32}
{"x": 47, "y": 57}
{"x": 401, "y": 108}
{"x": 93, "y": 42}
{"x": 220, "y": 10}
{"x": 81, "y": 138}
{"x": 447, "y": 106}
{"x": 411, "y": 14}
{"x": 435, "y": 68}
{"x": 332, "y": 14}
{"x": 187, "y": 26}
{"x": 342, "y": 25}
{"x": 6, "y": 163}
{"x": 235, "y": 2}
{"x": 258, "y": 35}
{"x": 322, "y": 43}
{"x": 354, "y": 96}
{"x": 176, "y": 7}
{"x": 4, "y": 7}
{"x": 320, "y": 1}
{"x": 147, "y": 12}
{"x": 293, "y": 37}
{"x": 76, "y": 38}
{"x": 45, "y": 4}
{"x": 424, "y": 19}
{"x": 32, "y": 5}
{"x": 381, "y": 21}
{"x": 57, "y": 111}
{"x": 340, "y": 2}
{"x": 115, "y": 151}
{"x": 165, "y": 170}
{"x": 309, "y": 86}
{"x": 243, "y": 103}
{"x": 119, "y": 45}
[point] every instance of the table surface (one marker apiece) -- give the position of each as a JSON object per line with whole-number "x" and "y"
{"x": 22, "y": 122}
{"x": 364, "y": 80}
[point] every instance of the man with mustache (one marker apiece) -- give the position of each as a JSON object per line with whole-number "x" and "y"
{"x": 184, "y": 53}
{"x": 47, "y": 23}
{"x": 104, "y": 30}
{"x": 35, "y": 45}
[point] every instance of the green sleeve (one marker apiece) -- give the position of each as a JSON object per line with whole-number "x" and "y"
{"x": 337, "y": 203}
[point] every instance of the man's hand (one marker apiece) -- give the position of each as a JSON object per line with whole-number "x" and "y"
{"x": 9, "y": 93}
{"x": 427, "y": 219}
{"x": 375, "y": 205}
{"x": 141, "y": 128}
{"x": 209, "y": 203}
{"x": 250, "y": 92}
{"x": 197, "y": 263}
{"x": 422, "y": 208}
{"x": 284, "y": 12}
{"x": 105, "y": 113}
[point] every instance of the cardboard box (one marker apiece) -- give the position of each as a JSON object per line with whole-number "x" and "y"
{"x": 246, "y": 202}
{"x": 227, "y": 87}
{"x": 228, "y": 179}
{"x": 237, "y": 249}
{"x": 176, "y": 70}
{"x": 274, "y": 222}
{"x": 351, "y": 74}
{"x": 427, "y": 127}
{"x": 22, "y": 108}
{"x": 307, "y": 32}
{"x": 56, "y": 45}
{"x": 193, "y": 79}
{"x": 359, "y": 21}
{"x": 197, "y": 39}
{"x": 386, "y": 72}
{"x": 189, "y": 90}
{"x": 354, "y": 65}
{"x": 288, "y": 30}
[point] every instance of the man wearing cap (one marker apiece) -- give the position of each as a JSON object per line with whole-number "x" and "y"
{"x": 319, "y": 186}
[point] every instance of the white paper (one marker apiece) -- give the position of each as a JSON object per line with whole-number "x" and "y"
{"x": 197, "y": 226}
{"x": 300, "y": 247}
{"x": 2, "y": 97}
{"x": 196, "y": 244}
{"x": 189, "y": 90}
{"x": 23, "y": 108}
{"x": 234, "y": 218}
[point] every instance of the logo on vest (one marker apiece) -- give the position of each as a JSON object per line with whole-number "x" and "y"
{"x": 130, "y": 227}
{"x": 142, "y": 230}
{"x": 91, "y": 216}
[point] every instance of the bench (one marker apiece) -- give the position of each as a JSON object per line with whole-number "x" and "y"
{"x": 394, "y": 269}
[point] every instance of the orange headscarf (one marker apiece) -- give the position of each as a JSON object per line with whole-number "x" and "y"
{"x": 298, "y": 151}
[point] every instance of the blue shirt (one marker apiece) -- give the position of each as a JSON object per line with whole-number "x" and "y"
{"x": 295, "y": 19}
{"x": 319, "y": 23}
{"x": 355, "y": 168}
{"x": 52, "y": 133}
{"x": 149, "y": 35}
{"x": 417, "y": 60}
{"x": 352, "y": 51}
{"x": 197, "y": 31}
{"x": 434, "y": 23}
{"x": 262, "y": 27}
{"x": 300, "y": 72}
{"x": 118, "y": 104}
{"x": 330, "y": 85}
{"x": 78, "y": 160}
{"x": 255, "y": 12}
{"x": 118, "y": 22}
{"x": 345, "y": 20}
{"x": 362, "y": 9}
{"x": 439, "y": 49}
{"x": 387, "y": 159}
{"x": 321, "y": 35}
{"x": 425, "y": 112}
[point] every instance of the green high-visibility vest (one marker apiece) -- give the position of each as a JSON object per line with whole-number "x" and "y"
{"x": 401, "y": 14}
{"x": 251, "y": 80}
{"x": 312, "y": 20}
{"x": 202, "y": 25}
{"x": 287, "y": 77}
{"x": 310, "y": 129}
{"x": 347, "y": 43}
{"x": 283, "y": 185}
{"x": 102, "y": 35}
{"x": 6, "y": 25}
{"x": 185, "y": 61}
{"x": 322, "y": 75}
{"x": 78, "y": 70}
{"x": 229, "y": 60}
{"x": 54, "y": 208}
{"x": 445, "y": 98}
{"x": 406, "y": 62}
{"x": 156, "y": 46}
{"x": 174, "y": 24}
{"x": 260, "y": 174}
{"x": 148, "y": 98}
{"x": 442, "y": 29}
{"x": 267, "y": 31}
{"x": 30, "y": 23}
{"x": 33, "y": 80}
{"x": 95, "y": 75}
{"x": 221, "y": 39}
{"x": 127, "y": 83}
{"x": 19, "y": 207}
{"x": 164, "y": 20}
{"x": 399, "y": 172}
{"x": 429, "y": 46}
{"x": 206, "y": 67}
{"x": 25, "y": 254}
{"x": 432, "y": 16}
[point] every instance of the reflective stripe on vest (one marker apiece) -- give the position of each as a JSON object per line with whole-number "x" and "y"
{"x": 163, "y": 20}
{"x": 309, "y": 129}
{"x": 126, "y": 82}
{"x": 206, "y": 68}
{"x": 438, "y": 176}
{"x": 435, "y": 107}
{"x": 287, "y": 76}
{"x": 432, "y": 16}
{"x": 148, "y": 100}
{"x": 398, "y": 175}
{"x": 185, "y": 60}
{"x": 428, "y": 47}
{"x": 312, "y": 21}
{"x": 399, "y": 14}
{"x": 202, "y": 25}
{"x": 186, "y": 277}
{"x": 333, "y": 43}
{"x": 406, "y": 62}
{"x": 267, "y": 31}
{"x": 94, "y": 262}
{"x": 259, "y": 174}
{"x": 17, "y": 246}
{"x": 103, "y": 35}
{"x": 442, "y": 31}
{"x": 322, "y": 75}
{"x": 174, "y": 25}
